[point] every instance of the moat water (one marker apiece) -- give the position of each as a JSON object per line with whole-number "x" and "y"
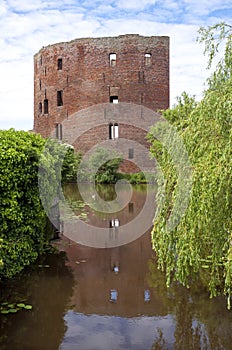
{"x": 86, "y": 298}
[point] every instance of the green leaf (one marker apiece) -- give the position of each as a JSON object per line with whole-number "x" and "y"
{"x": 28, "y": 307}
{"x": 12, "y": 310}
{"x": 4, "y": 311}
{"x": 21, "y": 305}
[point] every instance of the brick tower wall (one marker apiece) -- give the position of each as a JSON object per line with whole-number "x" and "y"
{"x": 72, "y": 76}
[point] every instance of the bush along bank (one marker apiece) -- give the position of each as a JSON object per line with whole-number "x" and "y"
{"x": 23, "y": 232}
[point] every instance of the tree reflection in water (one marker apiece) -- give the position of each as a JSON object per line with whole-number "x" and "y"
{"x": 111, "y": 299}
{"x": 200, "y": 323}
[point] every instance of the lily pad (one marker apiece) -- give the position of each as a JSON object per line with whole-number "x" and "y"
{"x": 28, "y": 307}
{"x": 21, "y": 305}
{"x": 10, "y": 305}
{"x": 12, "y": 311}
{"x": 4, "y": 311}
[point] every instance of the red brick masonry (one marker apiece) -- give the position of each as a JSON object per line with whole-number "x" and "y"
{"x": 72, "y": 76}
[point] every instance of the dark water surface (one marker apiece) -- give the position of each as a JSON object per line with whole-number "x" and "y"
{"x": 87, "y": 298}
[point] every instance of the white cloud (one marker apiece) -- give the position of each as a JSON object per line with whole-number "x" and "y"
{"x": 205, "y": 7}
{"x": 27, "y": 26}
{"x": 104, "y": 332}
{"x": 135, "y": 4}
{"x": 3, "y": 9}
{"x": 24, "y": 5}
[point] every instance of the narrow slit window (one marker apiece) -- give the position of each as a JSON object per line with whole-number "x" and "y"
{"x": 147, "y": 57}
{"x": 131, "y": 153}
{"x": 113, "y": 295}
{"x": 113, "y": 59}
{"x": 147, "y": 296}
{"x": 59, "y": 131}
{"x": 60, "y": 98}
{"x": 111, "y": 127}
{"x": 40, "y": 108}
{"x": 40, "y": 84}
{"x": 142, "y": 98}
{"x": 59, "y": 64}
{"x": 46, "y": 106}
{"x": 113, "y": 99}
{"x": 116, "y": 130}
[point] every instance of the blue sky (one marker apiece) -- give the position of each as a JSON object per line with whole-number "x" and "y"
{"x": 26, "y": 26}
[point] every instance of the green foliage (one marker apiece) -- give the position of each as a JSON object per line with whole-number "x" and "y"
{"x": 22, "y": 219}
{"x": 25, "y": 161}
{"x": 218, "y": 37}
{"x": 201, "y": 245}
{"x": 103, "y": 165}
{"x": 70, "y": 165}
{"x": 134, "y": 178}
{"x": 12, "y": 308}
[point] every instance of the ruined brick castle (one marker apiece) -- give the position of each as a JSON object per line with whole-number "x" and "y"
{"x": 91, "y": 90}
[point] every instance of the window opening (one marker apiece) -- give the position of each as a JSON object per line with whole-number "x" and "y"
{"x": 114, "y": 223}
{"x": 113, "y": 99}
{"x": 113, "y": 131}
{"x": 113, "y": 295}
{"x": 116, "y": 131}
{"x": 46, "y": 106}
{"x": 147, "y": 295}
{"x": 141, "y": 77}
{"x": 142, "y": 98}
{"x": 114, "y": 228}
{"x": 59, "y": 64}
{"x": 40, "y": 108}
{"x": 113, "y": 59}
{"x": 131, "y": 153}
{"x": 60, "y": 98}
{"x": 147, "y": 59}
{"x": 40, "y": 84}
{"x": 59, "y": 131}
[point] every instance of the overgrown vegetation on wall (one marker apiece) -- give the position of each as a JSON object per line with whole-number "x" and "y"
{"x": 23, "y": 235}
{"x": 201, "y": 245}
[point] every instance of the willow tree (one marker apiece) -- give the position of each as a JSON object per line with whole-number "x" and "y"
{"x": 200, "y": 246}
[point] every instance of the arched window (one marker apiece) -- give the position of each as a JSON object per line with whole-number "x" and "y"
{"x": 147, "y": 57}
{"x": 113, "y": 59}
